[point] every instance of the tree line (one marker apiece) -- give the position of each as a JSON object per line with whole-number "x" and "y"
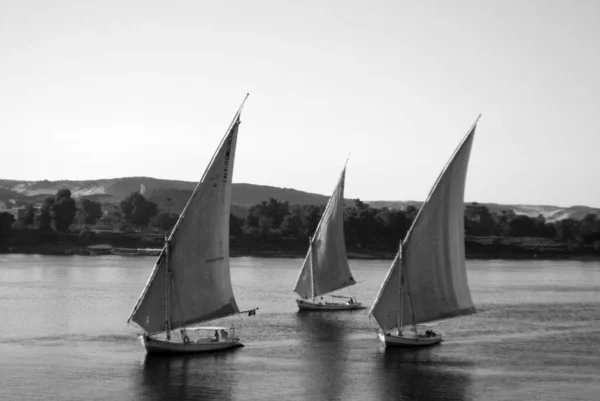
{"x": 370, "y": 228}
{"x": 59, "y": 212}
{"x": 364, "y": 226}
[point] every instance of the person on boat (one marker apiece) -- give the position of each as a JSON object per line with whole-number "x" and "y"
{"x": 184, "y": 336}
{"x": 216, "y": 336}
{"x": 351, "y": 301}
{"x": 321, "y": 301}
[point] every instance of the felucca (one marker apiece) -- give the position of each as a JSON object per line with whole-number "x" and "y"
{"x": 427, "y": 280}
{"x": 191, "y": 281}
{"x": 325, "y": 267}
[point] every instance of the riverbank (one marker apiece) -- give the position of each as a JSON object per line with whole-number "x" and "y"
{"x": 148, "y": 244}
{"x": 58, "y": 249}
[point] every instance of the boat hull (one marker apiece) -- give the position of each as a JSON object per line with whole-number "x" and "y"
{"x": 304, "y": 305}
{"x": 391, "y": 340}
{"x": 157, "y": 346}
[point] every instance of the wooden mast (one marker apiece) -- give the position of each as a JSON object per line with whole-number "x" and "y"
{"x": 400, "y": 262}
{"x": 312, "y": 268}
{"x": 167, "y": 292}
{"x": 167, "y": 295}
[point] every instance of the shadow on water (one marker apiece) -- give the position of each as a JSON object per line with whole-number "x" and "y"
{"x": 324, "y": 342}
{"x": 421, "y": 374}
{"x": 187, "y": 377}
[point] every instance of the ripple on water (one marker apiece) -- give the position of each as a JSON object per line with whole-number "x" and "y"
{"x": 64, "y": 337}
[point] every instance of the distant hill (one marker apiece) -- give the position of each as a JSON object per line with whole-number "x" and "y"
{"x": 117, "y": 188}
{"x": 529, "y": 210}
{"x": 173, "y": 194}
{"x": 573, "y": 212}
{"x": 169, "y": 195}
{"x": 549, "y": 212}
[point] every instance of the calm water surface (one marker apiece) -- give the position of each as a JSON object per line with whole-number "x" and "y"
{"x": 63, "y": 336}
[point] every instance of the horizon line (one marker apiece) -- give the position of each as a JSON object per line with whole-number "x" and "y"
{"x": 299, "y": 190}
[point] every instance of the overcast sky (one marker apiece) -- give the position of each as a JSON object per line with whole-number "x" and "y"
{"x": 102, "y": 89}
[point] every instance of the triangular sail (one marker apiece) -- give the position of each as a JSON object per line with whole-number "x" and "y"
{"x": 326, "y": 257}
{"x": 198, "y": 256}
{"x": 433, "y": 266}
{"x": 386, "y": 309}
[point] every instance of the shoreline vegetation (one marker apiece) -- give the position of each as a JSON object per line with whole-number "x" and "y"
{"x": 63, "y": 225}
{"x": 127, "y": 244}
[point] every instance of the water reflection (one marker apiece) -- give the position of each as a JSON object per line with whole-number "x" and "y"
{"x": 187, "y": 377}
{"x": 325, "y": 344}
{"x": 421, "y": 374}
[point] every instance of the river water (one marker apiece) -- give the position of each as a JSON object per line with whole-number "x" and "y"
{"x": 63, "y": 335}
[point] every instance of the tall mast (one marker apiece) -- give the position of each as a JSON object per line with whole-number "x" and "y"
{"x": 400, "y": 289}
{"x": 312, "y": 268}
{"x": 412, "y": 311}
{"x": 167, "y": 285}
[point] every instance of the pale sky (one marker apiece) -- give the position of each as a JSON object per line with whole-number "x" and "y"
{"x": 103, "y": 89}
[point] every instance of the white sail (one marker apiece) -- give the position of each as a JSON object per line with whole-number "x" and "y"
{"x": 198, "y": 255}
{"x": 326, "y": 258}
{"x": 386, "y": 309}
{"x": 432, "y": 263}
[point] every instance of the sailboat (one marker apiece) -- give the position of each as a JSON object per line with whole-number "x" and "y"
{"x": 325, "y": 267}
{"x": 427, "y": 280}
{"x": 190, "y": 282}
